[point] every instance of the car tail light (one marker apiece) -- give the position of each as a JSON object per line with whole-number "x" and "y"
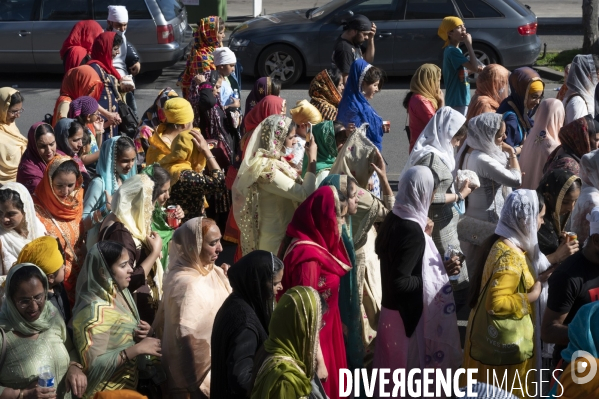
{"x": 165, "y": 34}
{"x": 528, "y": 29}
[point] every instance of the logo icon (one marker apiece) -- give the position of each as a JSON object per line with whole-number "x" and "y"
{"x": 582, "y": 366}
{"x": 492, "y": 331}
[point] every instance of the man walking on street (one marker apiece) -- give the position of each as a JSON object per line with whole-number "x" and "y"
{"x": 350, "y": 45}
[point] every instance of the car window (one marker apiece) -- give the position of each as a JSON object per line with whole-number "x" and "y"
{"x": 61, "y": 10}
{"x": 16, "y": 10}
{"x": 429, "y": 9}
{"x": 377, "y": 10}
{"x": 170, "y": 8}
{"x": 327, "y": 8}
{"x": 477, "y": 9}
{"x": 137, "y": 9}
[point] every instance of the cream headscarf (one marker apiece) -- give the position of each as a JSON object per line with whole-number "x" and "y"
{"x": 13, "y": 143}
{"x": 426, "y": 82}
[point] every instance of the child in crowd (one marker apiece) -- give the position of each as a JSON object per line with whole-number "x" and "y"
{"x": 225, "y": 60}
{"x": 457, "y": 87}
{"x": 304, "y": 115}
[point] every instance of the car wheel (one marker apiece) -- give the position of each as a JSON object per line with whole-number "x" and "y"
{"x": 281, "y": 62}
{"x": 485, "y": 55}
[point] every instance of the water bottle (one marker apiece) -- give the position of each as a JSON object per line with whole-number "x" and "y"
{"x": 450, "y": 253}
{"x": 235, "y": 94}
{"x": 46, "y": 377}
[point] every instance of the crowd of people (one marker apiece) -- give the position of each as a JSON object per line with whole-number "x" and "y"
{"x": 110, "y": 234}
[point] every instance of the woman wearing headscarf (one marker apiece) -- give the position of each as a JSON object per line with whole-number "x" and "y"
{"x": 424, "y": 99}
{"x": 207, "y": 37}
{"x": 108, "y": 332}
{"x": 41, "y": 148}
{"x": 178, "y": 115}
{"x": 35, "y": 336}
{"x": 509, "y": 287}
{"x": 543, "y": 139}
{"x": 315, "y": 256}
{"x": 417, "y": 297}
{"x": 194, "y": 290}
{"x": 129, "y": 223}
{"x": 20, "y": 223}
{"x": 577, "y": 138}
{"x": 241, "y": 324}
{"x": 12, "y": 143}
{"x": 190, "y": 154}
{"x": 69, "y": 142}
{"x": 77, "y": 46}
{"x": 115, "y": 166}
{"x": 269, "y": 105}
{"x": 150, "y": 122}
{"x": 291, "y": 348}
{"x": 435, "y": 150}
{"x": 589, "y": 196}
{"x": 325, "y": 92}
{"x": 267, "y": 187}
{"x": 86, "y": 111}
{"x": 579, "y": 100}
{"x": 492, "y": 88}
{"x": 105, "y": 48}
{"x": 484, "y": 152}
{"x": 324, "y": 136}
{"x": 262, "y": 87}
{"x": 354, "y": 106}
{"x": 527, "y": 90}
{"x": 58, "y": 202}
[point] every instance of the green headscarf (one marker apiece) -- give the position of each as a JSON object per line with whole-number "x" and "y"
{"x": 323, "y": 135}
{"x": 104, "y": 319}
{"x": 294, "y": 333}
{"x": 11, "y": 319}
{"x": 159, "y": 224}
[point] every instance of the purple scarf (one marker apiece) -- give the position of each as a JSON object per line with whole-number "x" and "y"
{"x": 32, "y": 166}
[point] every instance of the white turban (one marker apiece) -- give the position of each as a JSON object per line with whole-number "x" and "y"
{"x": 118, "y": 14}
{"x": 593, "y": 219}
{"x": 224, "y": 56}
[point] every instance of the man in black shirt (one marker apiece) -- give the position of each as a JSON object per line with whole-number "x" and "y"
{"x": 350, "y": 45}
{"x": 573, "y": 284}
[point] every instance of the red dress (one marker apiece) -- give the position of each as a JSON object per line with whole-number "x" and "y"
{"x": 317, "y": 258}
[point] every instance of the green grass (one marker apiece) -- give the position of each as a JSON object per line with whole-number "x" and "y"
{"x": 558, "y": 61}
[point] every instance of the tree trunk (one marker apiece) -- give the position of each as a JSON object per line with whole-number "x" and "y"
{"x": 590, "y": 26}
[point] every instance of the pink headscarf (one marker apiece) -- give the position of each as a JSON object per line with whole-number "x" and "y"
{"x": 32, "y": 166}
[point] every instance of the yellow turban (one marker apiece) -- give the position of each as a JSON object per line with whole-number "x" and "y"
{"x": 178, "y": 110}
{"x": 44, "y": 253}
{"x": 536, "y": 86}
{"x": 448, "y": 24}
{"x": 305, "y": 112}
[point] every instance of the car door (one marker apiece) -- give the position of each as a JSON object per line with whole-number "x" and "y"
{"x": 57, "y": 18}
{"x": 383, "y": 13}
{"x": 15, "y": 34}
{"x": 417, "y": 33}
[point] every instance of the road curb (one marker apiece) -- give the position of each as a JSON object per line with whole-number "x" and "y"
{"x": 549, "y": 73}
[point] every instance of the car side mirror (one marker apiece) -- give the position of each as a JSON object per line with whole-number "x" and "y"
{"x": 343, "y": 16}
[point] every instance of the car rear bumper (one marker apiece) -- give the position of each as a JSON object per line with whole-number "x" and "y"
{"x": 521, "y": 55}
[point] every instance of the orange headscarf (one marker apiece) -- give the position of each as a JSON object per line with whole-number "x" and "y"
{"x": 69, "y": 209}
{"x": 78, "y": 82}
{"x": 491, "y": 89}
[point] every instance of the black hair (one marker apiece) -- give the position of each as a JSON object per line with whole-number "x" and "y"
{"x": 117, "y": 41}
{"x": 122, "y": 144}
{"x": 160, "y": 177}
{"x": 87, "y": 137}
{"x": 67, "y": 167}
{"x": 292, "y": 126}
{"x": 42, "y": 129}
{"x": 16, "y": 98}
{"x": 576, "y": 185}
{"x": 10, "y": 195}
{"x": 22, "y": 275}
{"x": 541, "y": 200}
{"x": 462, "y": 131}
{"x": 74, "y": 128}
{"x": 221, "y": 24}
{"x": 352, "y": 180}
{"x": 335, "y": 76}
{"x": 374, "y": 75}
{"x": 407, "y": 98}
{"x": 111, "y": 252}
{"x": 340, "y": 132}
{"x": 61, "y": 250}
{"x": 275, "y": 87}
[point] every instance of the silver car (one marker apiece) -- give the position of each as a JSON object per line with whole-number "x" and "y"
{"x": 32, "y": 31}
{"x": 290, "y": 44}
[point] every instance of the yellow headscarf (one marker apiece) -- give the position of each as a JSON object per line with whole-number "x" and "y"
{"x": 536, "y": 86}
{"x": 44, "y": 253}
{"x": 305, "y": 112}
{"x": 178, "y": 110}
{"x": 448, "y": 24}
{"x": 426, "y": 81}
{"x": 184, "y": 156}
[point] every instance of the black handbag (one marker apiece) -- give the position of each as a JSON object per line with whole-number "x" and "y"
{"x": 129, "y": 123}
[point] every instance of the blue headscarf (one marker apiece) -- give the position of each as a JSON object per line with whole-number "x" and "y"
{"x": 355, "y": 108}
{"x": 106, "y": 167}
